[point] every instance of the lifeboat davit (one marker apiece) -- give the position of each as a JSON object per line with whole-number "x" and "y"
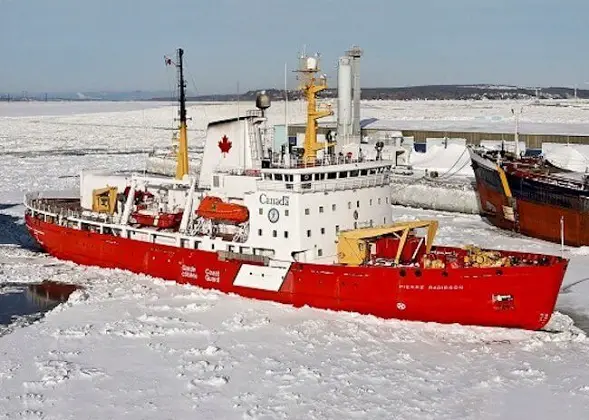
{"x": 159, "y": 220}
{"x": 216, "y": 209}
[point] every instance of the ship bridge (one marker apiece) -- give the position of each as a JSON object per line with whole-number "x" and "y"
{"x": 326, "y": 177}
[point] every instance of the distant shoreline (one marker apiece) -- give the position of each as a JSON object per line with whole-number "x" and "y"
{"x": 427, "y": 92}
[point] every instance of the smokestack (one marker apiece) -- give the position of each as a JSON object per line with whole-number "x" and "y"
{"x": 344, "y": 100}
{"x": 355, "y": 53}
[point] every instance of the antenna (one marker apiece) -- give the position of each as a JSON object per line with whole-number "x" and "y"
{"x": 182, "y": 157}
{"x": 238, "y": 124}
{"x": 286, "y": 103}
{"x": 516, "y": 135}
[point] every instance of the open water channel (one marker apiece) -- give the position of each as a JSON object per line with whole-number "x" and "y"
{"x": 22, "y": 304}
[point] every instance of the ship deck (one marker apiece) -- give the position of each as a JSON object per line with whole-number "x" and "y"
{"x": 538, "y": 168}
{"x": 441, "y": 257}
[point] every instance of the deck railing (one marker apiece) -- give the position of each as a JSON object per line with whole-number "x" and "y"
{"x": 326, "y": 185}
{"x": 43, "y": 203}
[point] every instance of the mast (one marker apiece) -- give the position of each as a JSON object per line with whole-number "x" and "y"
{"x": 182, "y": 159}
{"x": 286, "y": 103}
{"x": 308, "y": 67}
{"x": 516, "y": 134}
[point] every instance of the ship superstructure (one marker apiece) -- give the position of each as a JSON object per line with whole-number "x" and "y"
{"x": 314, "y": 230}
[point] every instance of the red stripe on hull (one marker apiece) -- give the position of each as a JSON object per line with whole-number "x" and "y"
{"x": 461, "y": 295}
{"x": 536, "y": 220}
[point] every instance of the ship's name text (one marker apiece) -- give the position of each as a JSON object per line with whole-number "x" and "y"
{"x": 275, "y": 201}
{"x": 432, "y": 287}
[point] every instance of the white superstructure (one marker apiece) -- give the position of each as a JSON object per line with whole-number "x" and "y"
{"x": 294, "y": 213}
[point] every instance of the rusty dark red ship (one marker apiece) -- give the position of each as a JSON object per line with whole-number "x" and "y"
{"x": 531, "y": 196}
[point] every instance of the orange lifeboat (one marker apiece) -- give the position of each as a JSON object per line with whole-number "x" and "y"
{"x": 159, "y": 220}
{"x": 216, "y": 209}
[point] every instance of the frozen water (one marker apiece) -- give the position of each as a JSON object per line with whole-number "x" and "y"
{"x": 135, "y": 347}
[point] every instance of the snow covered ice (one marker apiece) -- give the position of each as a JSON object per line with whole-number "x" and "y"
{"x": 134, "y": 347}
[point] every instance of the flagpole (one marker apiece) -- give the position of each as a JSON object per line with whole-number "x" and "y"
{"x": 286, "y": 104}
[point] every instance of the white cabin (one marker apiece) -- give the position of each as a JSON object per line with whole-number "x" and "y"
{"x": 295, "y": 210}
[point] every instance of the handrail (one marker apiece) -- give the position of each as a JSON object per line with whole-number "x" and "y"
{"x": 299, "y": 164}
{"x": 326, "y": 185}
{"x": 34, "y": 203}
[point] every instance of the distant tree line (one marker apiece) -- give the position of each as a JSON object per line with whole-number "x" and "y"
{"x": 429, "y": 92}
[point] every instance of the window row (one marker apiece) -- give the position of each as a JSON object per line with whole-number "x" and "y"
{"x": 325, "y": 175}
{"x": 334, "y": 206}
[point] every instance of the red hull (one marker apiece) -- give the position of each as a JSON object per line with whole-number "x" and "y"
{"x": 453, "y": 295}
{"x": 536, "y": 220}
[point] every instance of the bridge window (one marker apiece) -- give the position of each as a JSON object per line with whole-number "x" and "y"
{"x": 364, "y": 172}
{"x": 331, "y": 175}
{"x": 354, "y": 173}
{"x": 278, "y": 177}
{"x": 343, "y": 174}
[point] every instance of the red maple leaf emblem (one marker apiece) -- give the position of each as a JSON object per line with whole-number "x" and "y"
{"x": 225, "y": 145}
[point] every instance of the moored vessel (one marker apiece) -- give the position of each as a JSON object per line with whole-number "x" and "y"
{"x": 531, "y": 196}
{"x": 301, "y": 230}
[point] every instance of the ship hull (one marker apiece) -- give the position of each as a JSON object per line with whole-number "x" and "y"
{"x": 531, "y": 216}
{"x": 452, "y": 295}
